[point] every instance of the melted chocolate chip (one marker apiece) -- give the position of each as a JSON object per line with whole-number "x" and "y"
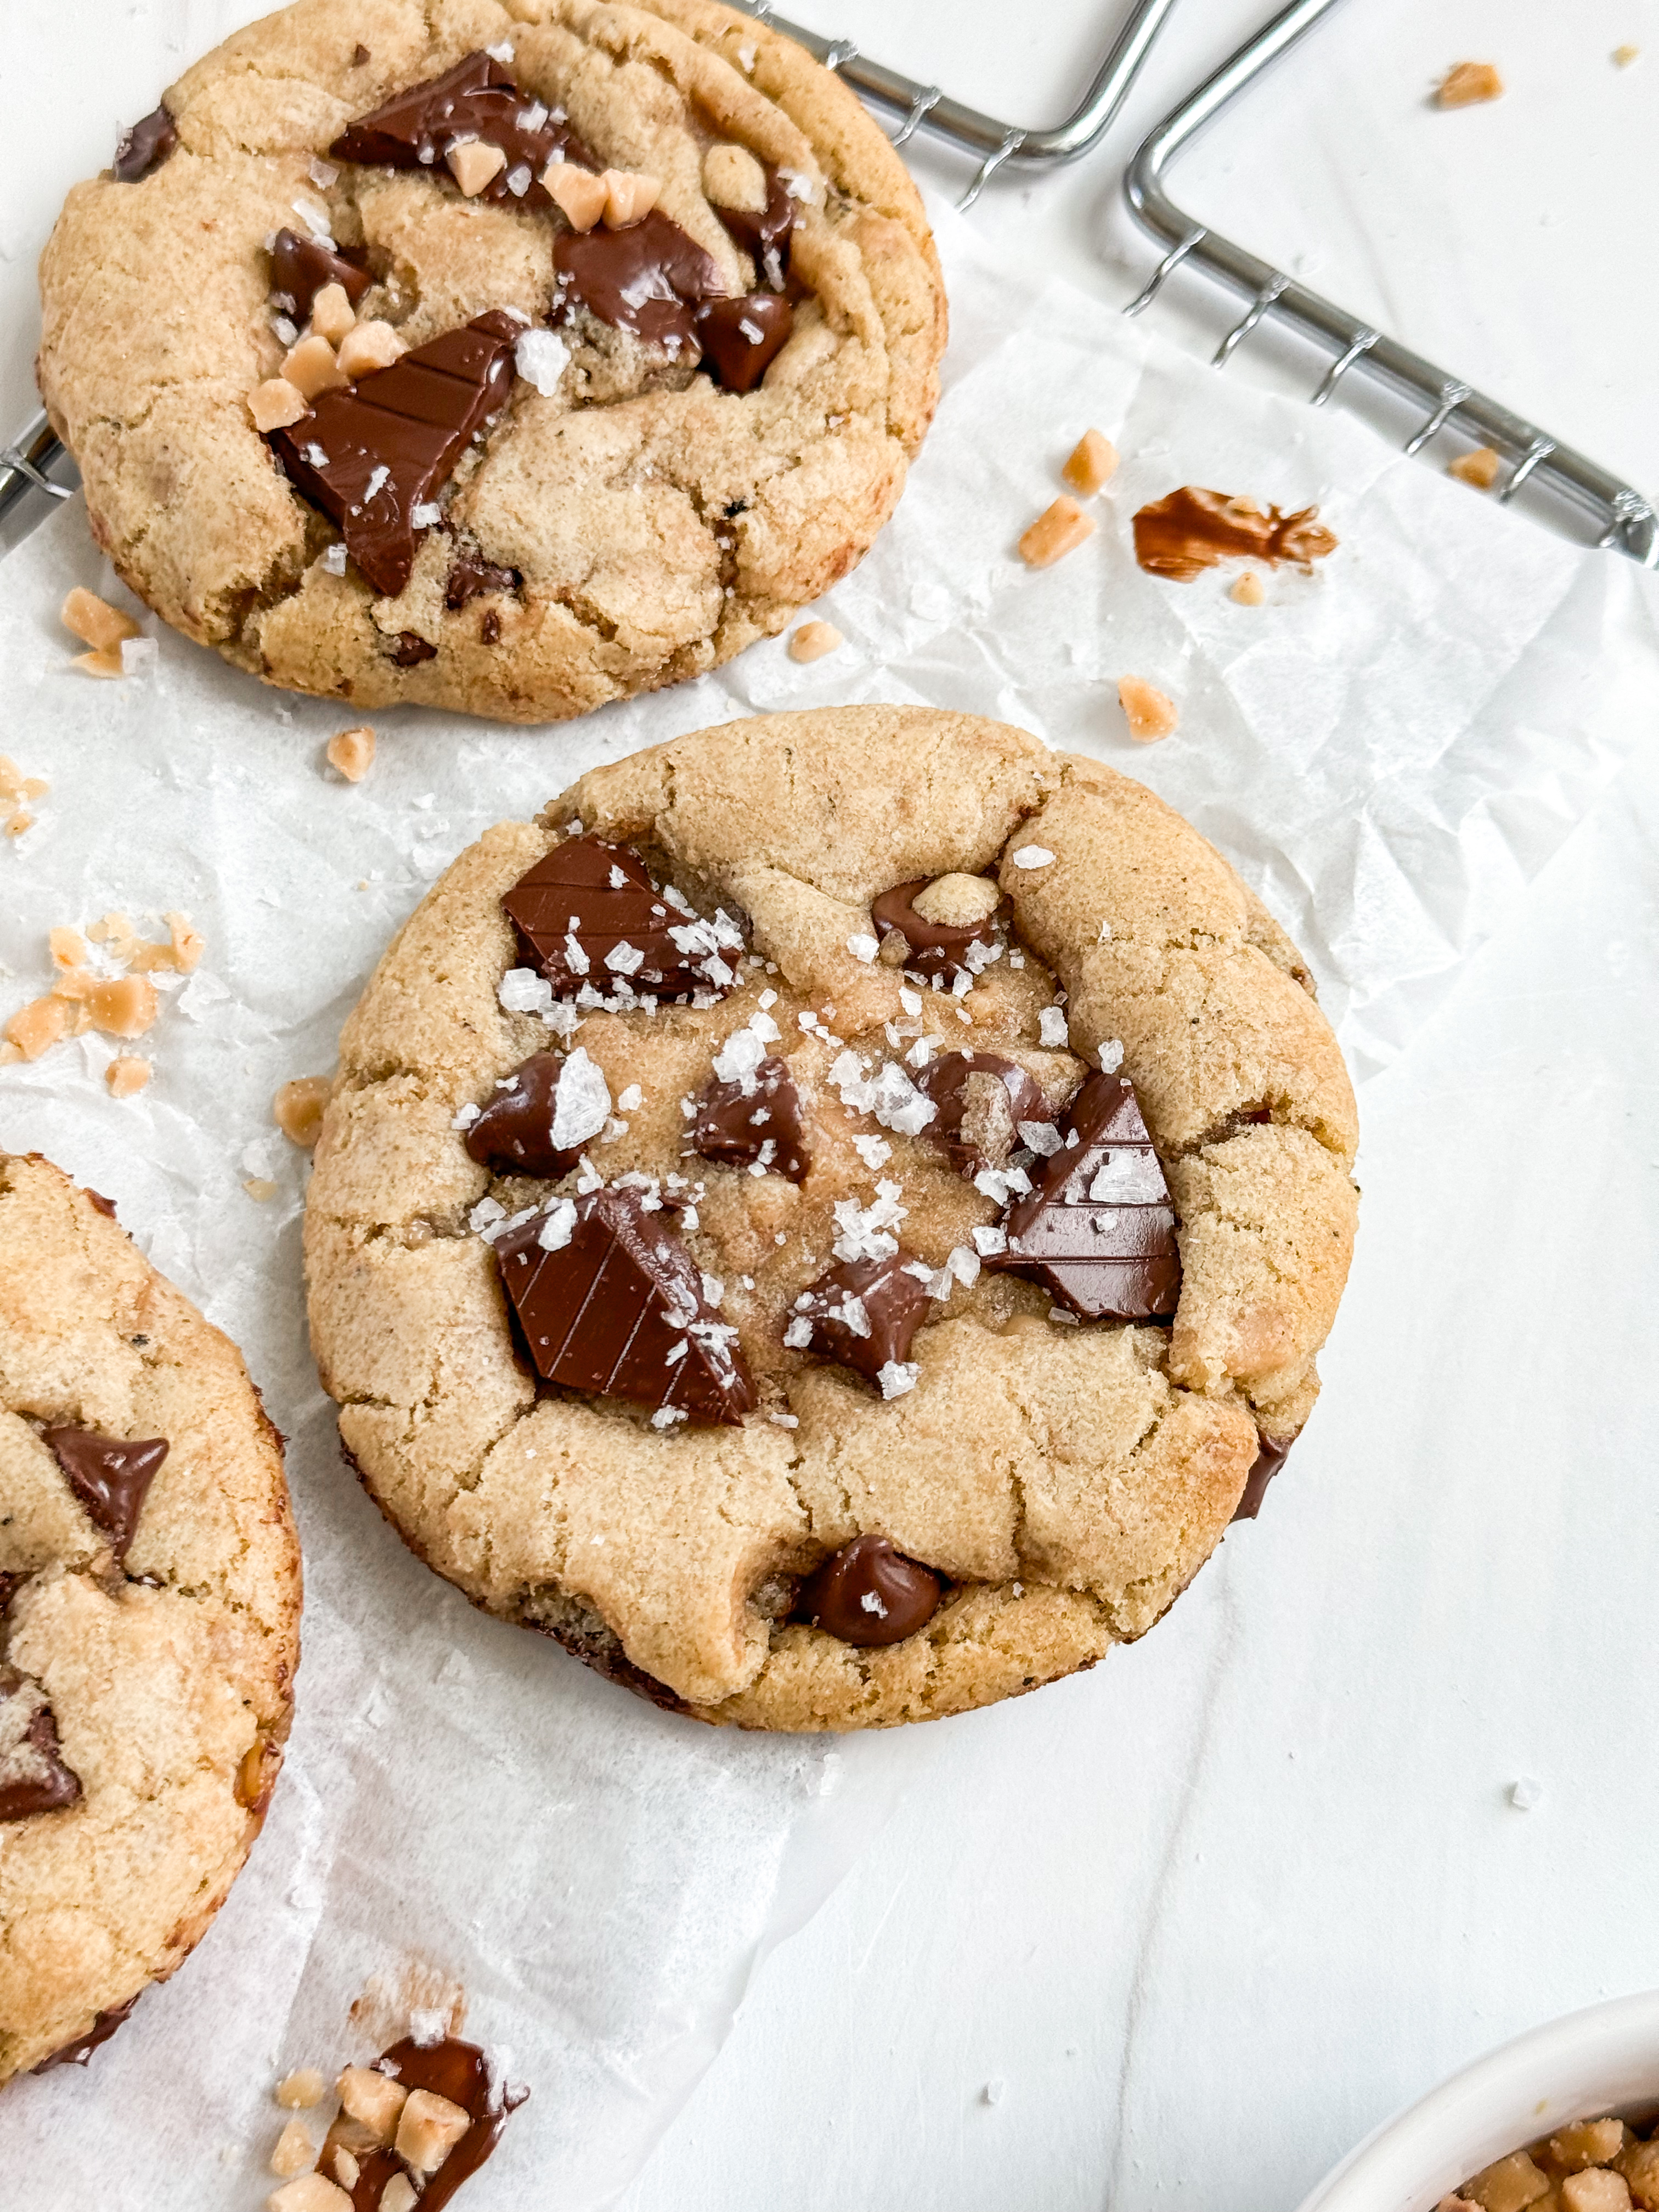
{"x": 868, "y": 1594}
{"x": 618, "y": 1309}
{"x": 411, "y": 649}
{"x": 471, "y": 574}
{"x": 1097, "y": 1228}
{"x": 32, "y": 1776}
{"x": 109, "y": 1476}
{"x": 864, "y": 1313}
{"x": 104, "y": 1205}
{"x": 936, "y": 947}
{"x": 649, "y": 278}
{"x": 761, "y": 1125}
{"x": 368, "y": 457}
{"x": 981, "y": 1098}
{"x": 299, "y": 267}
{"x": 1268, "y": 1460}
{"x": 144, "y": 146}
{"x": 103, "y": 2027}
{"x": 514, "y": 1131}
{"x": 458, "y": 2071}
{"x": 584, "y": 911}
{"x": 477, "y": 98}
{"x": 766, "y": 233}
{"x": 1193, "y": 529}
{"x": 741, "y": 337}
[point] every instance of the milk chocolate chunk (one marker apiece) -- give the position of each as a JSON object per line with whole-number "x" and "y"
{"x": 761, "y": 1127}
{"x": 935, "y": 947}
{"x": 1097, "y": 1227}
{"x": 452, "y": 2070}
{"x": 1268, "y": 1460}
{"x": 144, "y": 146}
{"x": 588, "y": 913}
{"x": 1191, "y": 530}
{"x": 868, "y": 1594}
{"x": 764, "y": 234}
{"x": 514, "y": 1133}
{"x": 109, "y": 1476}
{"x": 864, "y": 1313}
{"x": 649, "y": 278}
{"x": 299, "y": 267}
{"x": 741, "y": 337}
{"x": 609, "y": 1300}
{"x": 369, "y": 455}
{"x": 471, "y": 574}
{"x": 477, "y": 98}
{"x": 104, "y": 2025}
{"x": 981, "y": 1098}
{"x": 32, "y": 1776}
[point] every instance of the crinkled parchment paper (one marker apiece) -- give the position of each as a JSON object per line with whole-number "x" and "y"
{"x": 1388, "y": 749}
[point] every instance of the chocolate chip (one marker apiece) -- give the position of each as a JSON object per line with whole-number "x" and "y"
{"x": 618, "y": 1309}
{"x": 368, "y": 457}
{"x": 864, "y": 1312}
{"x": 514, "y": 1131}
{"x": 981, "y": 1098}
{"x": 32, "y": 1776}
{"x": 766, "y": 233}
{"x": 1268, "y": 1460}
{"x": 451, "y": 2069}
{"x": 1097, "y": 1227}
{"x": 584, "y": 912}
{"x": 471, "y": 574}
{"x": 109, "y": 1476}
{"x": 411, "y": 649}
{"x": 144, "y": 146}
{"x": 868, "y": 1594}
{"x": 299, "y": 267}
{"x": 360, "y": 55}
{"x": 936, "y": 947}
{"x": 741, "y": 337}
{"x": 649, "y": 278}
{"x": 104, "y": 2025}
{"x": 761, "y": 1125}
{"x": 477, "y": 98}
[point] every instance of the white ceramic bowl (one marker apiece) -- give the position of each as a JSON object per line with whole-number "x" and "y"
{"x": 1603, "y": 2060}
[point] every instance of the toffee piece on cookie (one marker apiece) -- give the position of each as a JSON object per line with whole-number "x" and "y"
{"x": 110, "y": 1477}
{"x": 478, "y": 101}
{"x": 753, "y": 1120}
{"x": 299, "y": 267}
{"x": 869, "y": 1594}
{"x": 587, "y": 912}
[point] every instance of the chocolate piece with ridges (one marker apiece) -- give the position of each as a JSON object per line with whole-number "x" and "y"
{"x": 868, "y": 1594}
{"x": 1097, "y": 1227}
{"x": 589, "y": 900}
{"x": 144, "y": 146}
{"x": 299, "y": 267}
{"x": 368, "y": 457}
{"x": 104, "y": 2025}
{"x": 514, "y": 1133}
{"x": 617, "y": 1309}
{"x": 981, "y": 1098}
{"x": 864, "y": 1313}
{"x": 1268, "y": 1460}
{"x": 649, "y": 278}
{"x": 471, "y": 574}
{"x": 1191, "y": 529}
{"x": 761, "y": 1127}
{"x": 110, "y": 1476}
{"x": 741, "y": 337}
{"x": 765, "y": 234}
{"x": 936, "y": 947}
{"x": 449, "y": 2069}
{"x": 477, "y": 98}
{"x": 32, "y": 1776}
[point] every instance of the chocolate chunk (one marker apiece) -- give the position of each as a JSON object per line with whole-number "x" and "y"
{"x": 104, "y": 2025}
{"x": 514, "y": 1133}
{"x": 1268, "y": 1460}
{"x": 863, "y": 1313}
{"x": 1097, "y": 1227}
{"x": 649, "y": 278}
{"x": 109, "y": 1476}
{"x": 32, "y": 1776}
{"x": 764, "y": 235}
{"x": 144, "y": 146}
{"x": 299, "y": 267}
{"x": 477, "y": 98}
{"x": 741, "y": 337}
{"x": 1193, "y": 529}
{"x": 9, "y": 1583}
{"x": 618, "y": 1309}
{"x": 981, "y": 1098}
{"x": 460, "y": 2072}
{"x": 868, "y": 1594}
{"x": 411, "y": 649}
{"x": 584, "y": 913}
{"x": 489, "y": 627}
{"x": 761, "y": 1125}
{"x": 471, "y": 574}
{"x": 368, "y": 457}
{"x": 936, "y": 947}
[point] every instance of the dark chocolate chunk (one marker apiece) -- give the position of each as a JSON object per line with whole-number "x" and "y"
{"x": 869, "y": 1593}
{"x": 110, "y": 1476}
{"x": 368, "y": 457}
{"x": 761, "y": 1125}
{"x": 589, "y": 906}
{"x": 104, "y": 2025}
{"x": 1268, "y": 1460}
{"x": 981, "y": 1098}
{"x": 471, "y": 574}
{"x": 764, "y": 235}
{"x": 649, "y": 278}
{"x": 32, "y": 1776}
{"x": 514, "y": 1131}
{"x": 863, "y": 1313}
{"x": 144, "y": 146}
{"x": 460, "y": 2072}
{"x": 936, "y": 947}
{"x": 477, "y": 98}
{"x": 411, "y": 649}
{"x": 741, "y": 337}
{"x": 299, "y": 267}
{"x": 618, "y": 1309}
{"x": 1097, "y": 1228}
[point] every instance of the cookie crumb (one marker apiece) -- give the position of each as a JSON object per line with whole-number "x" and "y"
{"x": 1467, "y": 83}
{"x": 473, "y": 165}
{"x": 813, "y": 640}
{"x": 274, "y": 404}
{"x": 95, "y": 623}
{"x": 1249, "y": 589}
{"x": 627, "y": 197}
{"x": 297, "y": 1108}
{"x": 299, "y": 2091}
{"x": 1478, "y": 468}
{"x": 1092, "y": 464}
{"x": 732, "y": 178}
{"x": 37, "y": 1027}
{"x": 366, "y": 347}
{"x": 15, "y": 789}
{"x": 125, "y": 1078}
{"x": 352, "y": 752}
{"x": 1059, "y": 530}
{"x": 578, "y": 194}
{"x": 1149, "y": 713}
{"x": 295, "y": 2152}
{"x": 1622, "y": 57}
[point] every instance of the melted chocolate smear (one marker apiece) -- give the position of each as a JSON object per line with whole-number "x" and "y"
{"x": 411, "y": 649}
{"x": 477, "y": 98}
{"x": 110, "y": 1476}
{"x": 981, "y": 1098}
{"x": 1191, "y": 530}
{"x": 299, "y": 267}
{"x": 649, "y": 278}
{"x": 1268, "y": 1460}
{"x": 368, "y": 457}
{"x": 103, "y": 2027}
{"x": 742, "y": 337}
{"x": 514, "y": 1133}
{"x": 452, "y": 2070}
{"x": 761, "y": 1125}
{"x": 865, "y": 1312}
{"x": 618, "y": 1311}
{"x": 868, "y": 1594}
{"x": 32, "y": 1776}
{"x": 472, "y": 574}
{"x": 1097, "y": 1227}
{"x": 936, "y": 947}
{"x": 586, "y": 898}
{"x": 144, "y": 146}
{"x": 767, "y": 233}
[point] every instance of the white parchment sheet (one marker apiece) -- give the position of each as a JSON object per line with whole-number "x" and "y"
{"x": 1389, "y": 749}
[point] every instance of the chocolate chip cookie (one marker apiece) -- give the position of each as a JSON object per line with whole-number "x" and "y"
{"x": 509, "y": 360}
{"x": 832, "y": 1219}
{"x": 149, "y": 1605}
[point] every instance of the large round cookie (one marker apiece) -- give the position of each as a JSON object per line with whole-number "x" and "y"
{"x": 150, "y": 1606}
{"x": 671, "y": 479}
{"x": 1044, "y": 1406}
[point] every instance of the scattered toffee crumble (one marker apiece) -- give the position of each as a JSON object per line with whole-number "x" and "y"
{"x": 1590, "y": 2165}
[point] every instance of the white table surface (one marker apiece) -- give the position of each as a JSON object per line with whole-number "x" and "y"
{"x": 1179, "y": 1931}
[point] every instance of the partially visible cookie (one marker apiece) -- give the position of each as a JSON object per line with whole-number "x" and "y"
{"x": 150, "y": 1606}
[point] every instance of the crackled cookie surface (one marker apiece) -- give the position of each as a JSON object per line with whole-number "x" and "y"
{"x": 150, "y": 1602}
{"x": 828, "y": 1219}
{"x": 510, "y": 358}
